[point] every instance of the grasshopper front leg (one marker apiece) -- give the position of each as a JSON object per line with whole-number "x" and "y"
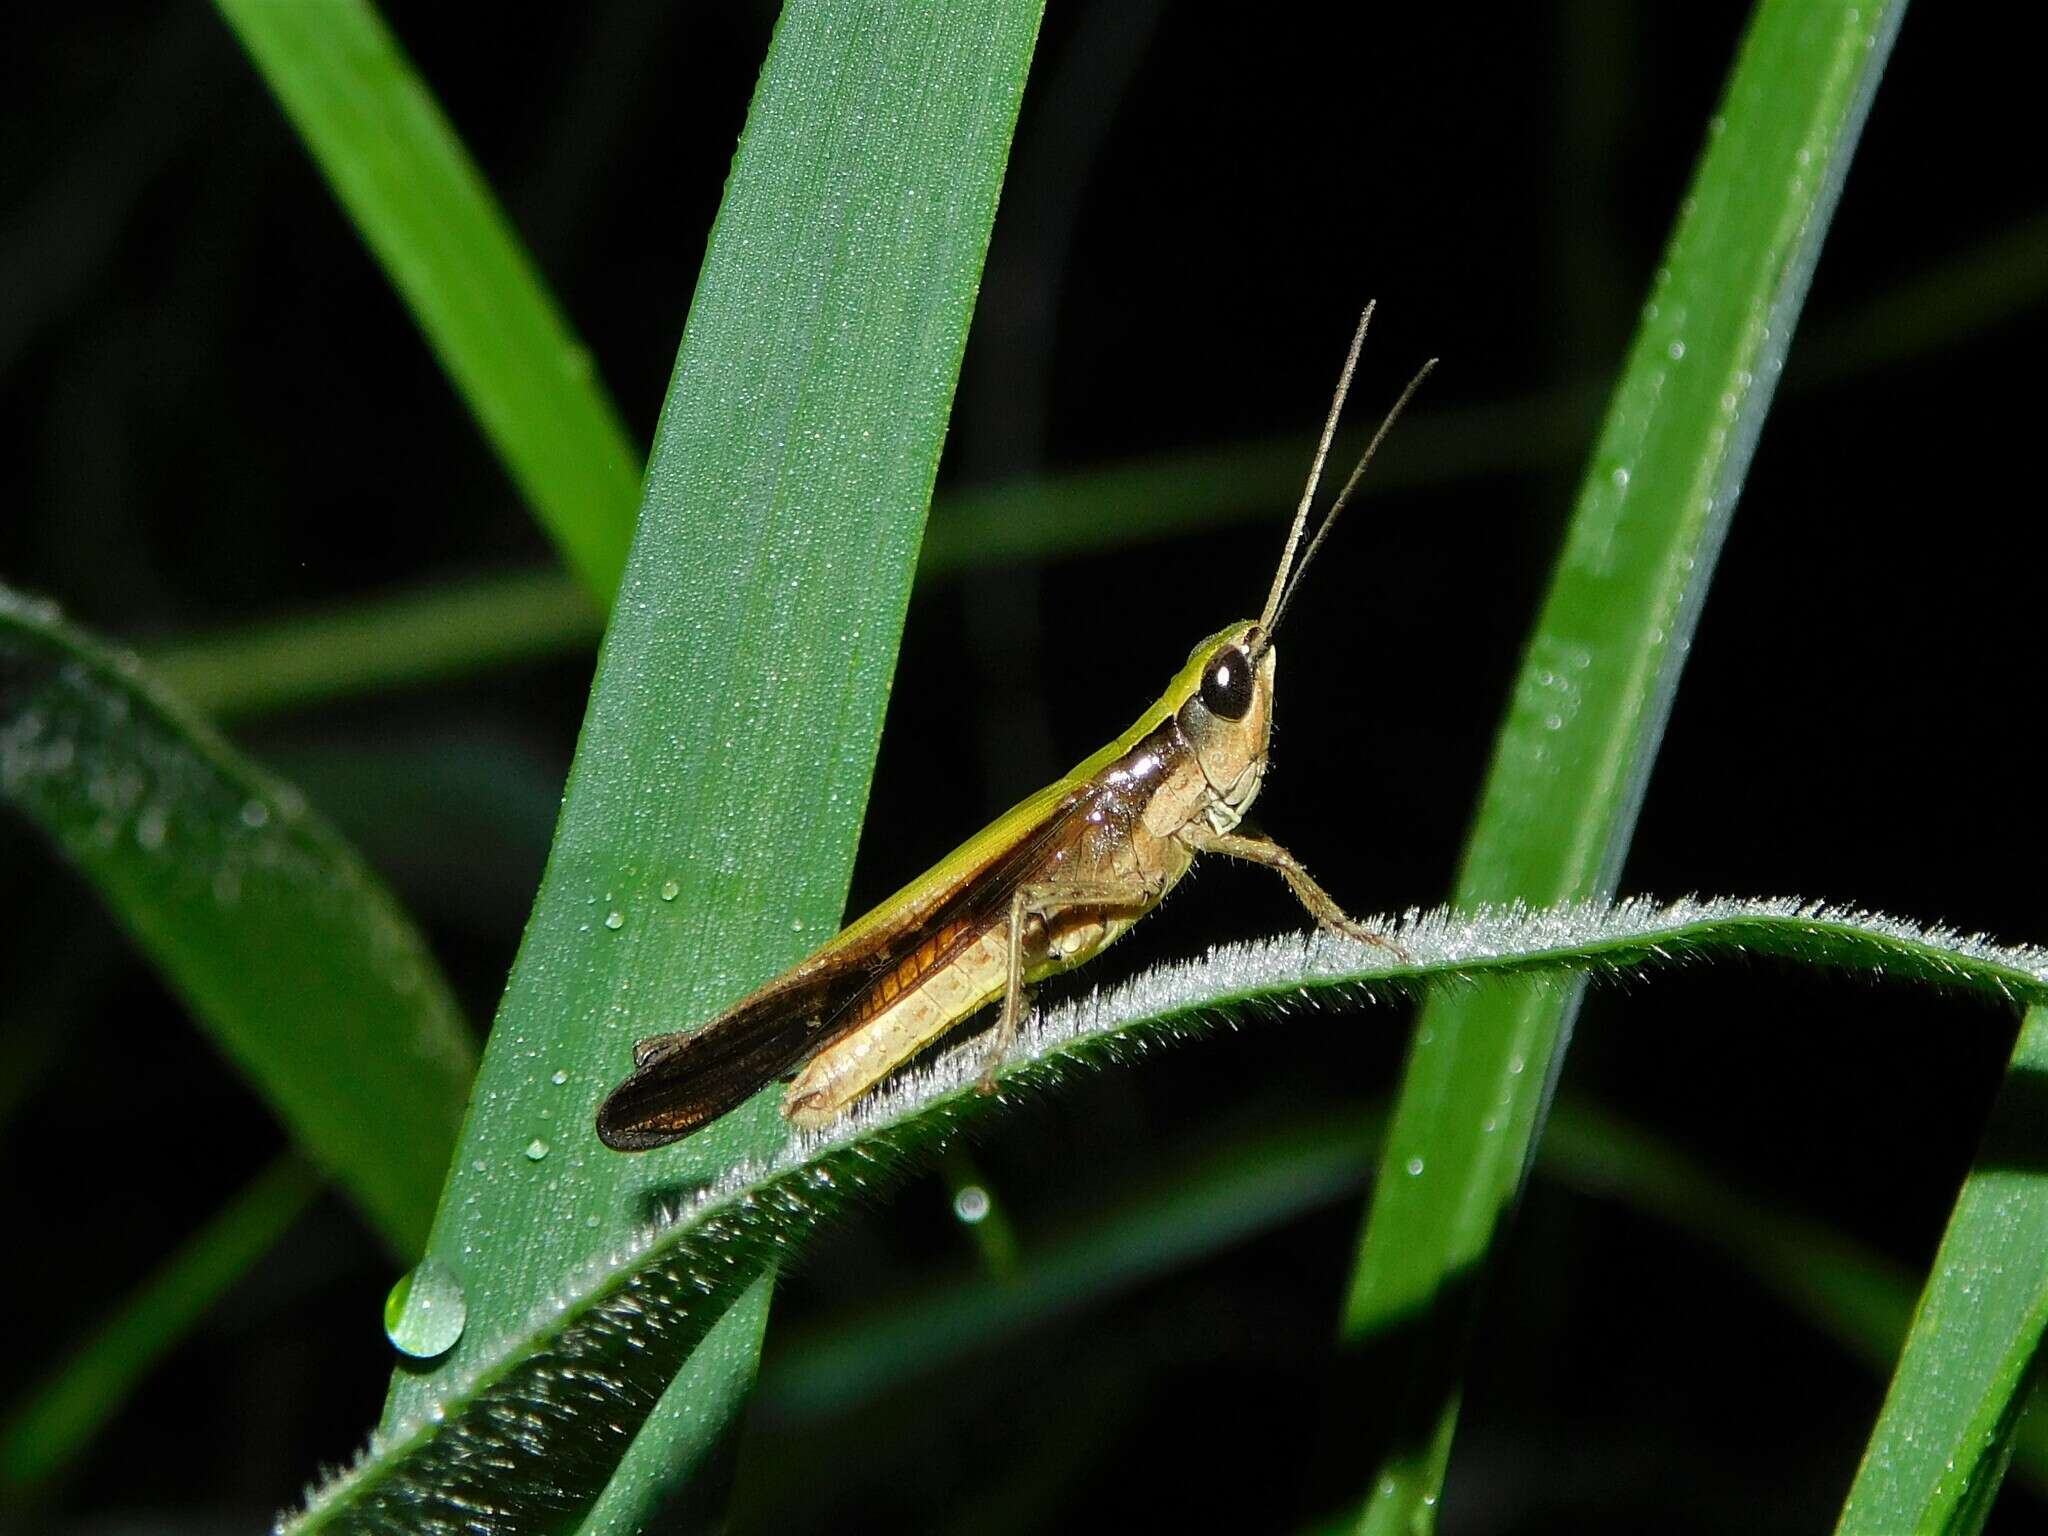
{"x": 1321, "y": 905}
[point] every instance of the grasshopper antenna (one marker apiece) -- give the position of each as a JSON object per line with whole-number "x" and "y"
{"x": 1275, "y": 598}
{"x": 1277, "y": 611}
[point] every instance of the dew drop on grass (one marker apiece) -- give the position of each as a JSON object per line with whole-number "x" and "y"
{"x": 971, "y": 1205}
{"x": 425, "y": 1312}
{"x": 559, "y": 1078}
{"x": 1414, "y": 1167}
{"x": 151, "y": 827}
{"x": 615, "y": 919}
{"x": 670, "y": 890}
{"x": 536, "y": 1149}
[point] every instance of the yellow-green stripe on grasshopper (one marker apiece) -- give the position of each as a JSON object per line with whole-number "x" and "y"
{"x": 1043, "y": 888}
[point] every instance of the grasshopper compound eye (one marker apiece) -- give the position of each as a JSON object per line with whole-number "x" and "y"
{"x": 1227, "y": 685}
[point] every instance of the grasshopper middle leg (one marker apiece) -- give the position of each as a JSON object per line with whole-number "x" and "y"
{"x": 1046, "y": 901}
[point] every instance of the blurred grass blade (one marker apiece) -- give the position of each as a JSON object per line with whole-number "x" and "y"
{"x": 419, "y": 202}
{"x": 708, "y": 830}
{"x": 487, "y": 620}
{"x": 1113, "y": 506}
{"x": 282, "y": 943}
{"x": 42, "y": 1438}
{"x": 483, "y": 621}
{"x": 1843, "y": 1289}
{"x": 1860, "y": 1299}
{"x": 1267, "y": 1178}
{"x": 1939, "y": 1451}
{"x": 1972, "y": 293}
{"x": 1588, "y": 711}
{"x": 389, "y": 641}
{"x": 1249, "y": 1185}
{"x": 546, "y": 1397}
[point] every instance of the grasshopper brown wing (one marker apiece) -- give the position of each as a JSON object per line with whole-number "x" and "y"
{"x": 680, "y": 1083}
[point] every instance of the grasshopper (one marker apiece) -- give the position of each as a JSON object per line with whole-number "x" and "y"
{"x": 1040, "y": 890}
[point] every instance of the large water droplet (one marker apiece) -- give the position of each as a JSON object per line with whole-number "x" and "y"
{"x": 670, "y": 890}
{"x": 425, "y": 1312}
{"x": 615, "y": 919}
{"x": 536, "y": 1149}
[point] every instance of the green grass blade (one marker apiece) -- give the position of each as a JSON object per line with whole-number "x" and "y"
{"x": 708, "y": 830}
{"x": 280, "y": 940}
{"x": 44, "y": 1435}
{"x": 1940, "y": 1447}
{"x": 542, "y": 1397}
{"x": 421, "y": 205}
{"x": 1588, "y": 710}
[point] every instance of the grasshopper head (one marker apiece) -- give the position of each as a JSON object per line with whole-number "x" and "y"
{"x": 1227, "y": 714}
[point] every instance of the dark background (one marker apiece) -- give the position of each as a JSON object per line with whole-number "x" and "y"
{"x": 1199, "y": 200}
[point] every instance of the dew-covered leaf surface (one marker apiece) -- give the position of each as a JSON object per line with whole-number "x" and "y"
{"x": 708, "y": 829}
